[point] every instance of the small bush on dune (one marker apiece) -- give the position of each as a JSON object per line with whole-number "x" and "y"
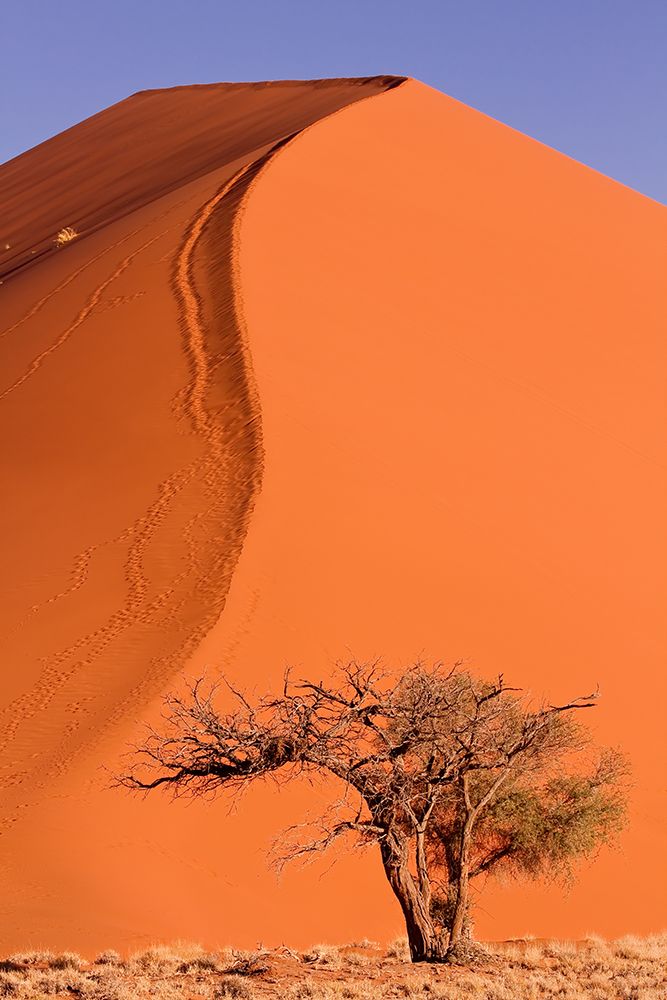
{"x": 65, "y": 236}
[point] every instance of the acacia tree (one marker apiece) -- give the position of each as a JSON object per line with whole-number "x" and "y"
{"x": 452, "y": 777}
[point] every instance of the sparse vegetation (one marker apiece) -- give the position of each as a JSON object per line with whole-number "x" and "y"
{"x": 231, "y": 986}
{"x": 108, "y": 957}
{"x": 65, "y": 236}
{"x": 453, "y": 778}
{"x": 631, "y": 968}
{"x": 252, "y": 963}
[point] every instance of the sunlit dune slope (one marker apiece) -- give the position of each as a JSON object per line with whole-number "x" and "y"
{"x": 400, "y": 392}
{"x": 458, "y": 338}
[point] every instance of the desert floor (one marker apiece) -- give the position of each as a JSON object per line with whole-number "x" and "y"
{"x": 630, "y": 968}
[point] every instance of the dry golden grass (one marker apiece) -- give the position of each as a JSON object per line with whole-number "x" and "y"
{"x": 631, "y": 968}
{"x": 65, "y": 236}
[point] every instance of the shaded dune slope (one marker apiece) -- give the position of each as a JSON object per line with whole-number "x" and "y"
{"x": 146, "y": 146}
{"x": 130, "y": 434}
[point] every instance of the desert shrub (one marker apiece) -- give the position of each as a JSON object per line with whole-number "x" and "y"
{"x": 341, "y": 990}
{"x": 65, "y": 236}
{"x": 309, "y": 991}
{"x": 11, "y": 984}
{"x": 108, "y": 957}
{"x": 352, "y": 991}
{"x": 647, "y": 948}
{"x": 9, "y": 965}
{"x": 31, "y": 957}
{"x": 249, "y": 963}
{"x": 324, "y": 954}
{"x": 356, "y": 958}
{"x": 57, "y": 981}
{"x": 207, "y": 962}
{"x": 157, "y": 959}
{"x": 413, "y": 987}
{"x": 399, "y": 949}
{"x": 231, "y": 986}
{"x": 187, "y": 951}
{"x": 554, "y": 949}
{"x": 115, "y": 986}
{"x": 66, "y": 960}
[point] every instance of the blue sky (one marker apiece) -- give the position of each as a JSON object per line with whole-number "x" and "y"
{"x": 588, "y": 77}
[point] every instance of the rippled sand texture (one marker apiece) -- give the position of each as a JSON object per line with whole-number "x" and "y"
{"x": 396, "y": 390}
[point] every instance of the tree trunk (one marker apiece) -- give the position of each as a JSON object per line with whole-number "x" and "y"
{"x": 458, "y": 930}
{"x": 425, "y": 943}
{"x": 422, "y": 868}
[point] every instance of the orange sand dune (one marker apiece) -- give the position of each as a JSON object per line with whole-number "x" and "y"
{"x": 148, "y": 145}
{"x": 396, "y": 390}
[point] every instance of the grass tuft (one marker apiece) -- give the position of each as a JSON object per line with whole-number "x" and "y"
{"x": 65, "y": 236}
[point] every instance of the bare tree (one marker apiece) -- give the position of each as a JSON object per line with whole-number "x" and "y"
{"x": 451, "y": 776}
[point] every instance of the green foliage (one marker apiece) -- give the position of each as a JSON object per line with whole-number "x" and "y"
{"x": 541, "y": 830}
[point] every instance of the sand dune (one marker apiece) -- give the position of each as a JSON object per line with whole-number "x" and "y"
{"x": 148, "y": 145}
{"x": 391, "y": 388}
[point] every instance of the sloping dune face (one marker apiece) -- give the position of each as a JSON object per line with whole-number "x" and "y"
{"x": 459, "y": 343}
{"x": 394, "y": 388}
{"x": 131, "y": 444}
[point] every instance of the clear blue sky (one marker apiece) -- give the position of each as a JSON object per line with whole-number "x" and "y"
{"x": 588, "y": 77}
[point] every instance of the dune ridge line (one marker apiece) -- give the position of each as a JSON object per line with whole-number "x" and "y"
{"x": 232, "y": 443}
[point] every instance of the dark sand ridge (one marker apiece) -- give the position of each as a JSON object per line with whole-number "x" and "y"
{"x": 148, "y": 145}
{"x": 107, "y": 594}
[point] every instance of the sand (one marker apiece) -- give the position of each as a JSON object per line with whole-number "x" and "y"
{"x": 392, "y": 388}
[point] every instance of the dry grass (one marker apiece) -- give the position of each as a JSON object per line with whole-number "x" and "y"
{"x": 65, "y": 236}
{"x": 631, "y": 968}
